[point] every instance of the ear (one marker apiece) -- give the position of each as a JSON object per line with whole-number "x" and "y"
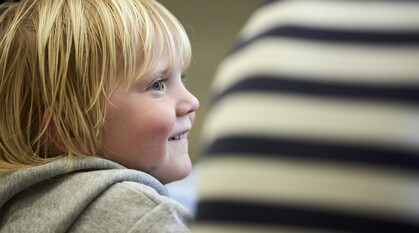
{"x": 51, "y": 131}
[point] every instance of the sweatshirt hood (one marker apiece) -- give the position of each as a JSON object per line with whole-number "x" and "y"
{"x": 51, "y": 195}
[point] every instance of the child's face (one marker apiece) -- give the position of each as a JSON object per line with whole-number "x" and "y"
{"x": 146, "y": 126}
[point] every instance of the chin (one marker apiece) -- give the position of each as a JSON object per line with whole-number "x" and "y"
{"x": 186, "y": 172}
{"x": 180, "y": 174}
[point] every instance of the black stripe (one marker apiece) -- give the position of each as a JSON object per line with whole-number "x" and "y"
{"x": 284, "y": 215}
{"x": 320, "y": 151}
{"x": 338, "y": 35}
{"x": 404, "y": 93}
{"x": 268, "y": 2}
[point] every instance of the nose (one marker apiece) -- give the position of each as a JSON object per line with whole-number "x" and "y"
{"x": 187, "y": 104}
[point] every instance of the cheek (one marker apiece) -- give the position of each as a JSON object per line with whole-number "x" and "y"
{"x": 153, "y": 128}
{"x": 142, "y": 120}
{"x": 157, "y": 129}
{"x": 147, "y": 142}
{"x": 139, "y": 141}
{"x": 138, "y": 129}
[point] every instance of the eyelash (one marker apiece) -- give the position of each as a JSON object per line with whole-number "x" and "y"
{"x": 161, "y": 82}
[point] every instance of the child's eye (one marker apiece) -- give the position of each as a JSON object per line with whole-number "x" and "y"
{"x": 157, "y": 85}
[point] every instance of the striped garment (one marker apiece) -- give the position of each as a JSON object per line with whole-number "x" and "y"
{"x": 314, "y": 125}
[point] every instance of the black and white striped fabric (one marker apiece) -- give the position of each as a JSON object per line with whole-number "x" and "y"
{"x": 314, "y": 125}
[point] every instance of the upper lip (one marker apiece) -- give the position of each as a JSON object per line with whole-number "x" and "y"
{"x": 179, "y": 134}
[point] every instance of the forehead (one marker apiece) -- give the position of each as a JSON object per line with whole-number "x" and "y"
{"x": 162, "y": 60}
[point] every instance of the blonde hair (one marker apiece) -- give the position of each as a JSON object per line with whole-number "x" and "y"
{"x": 65, "y": 57}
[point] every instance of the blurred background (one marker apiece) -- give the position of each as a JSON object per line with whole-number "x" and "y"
{"x": 212, "y": 27}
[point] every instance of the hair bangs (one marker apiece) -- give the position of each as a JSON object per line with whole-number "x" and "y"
{"x": 154, "y": 31}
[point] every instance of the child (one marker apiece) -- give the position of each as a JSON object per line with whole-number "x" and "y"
{"x": 89, "y": 88}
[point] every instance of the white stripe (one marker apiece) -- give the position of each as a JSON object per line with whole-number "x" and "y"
{"x": 359, "y": 15}
{"x": 321, "y": 61}
{"x": 321, "y": 119}
{"x": 356, "y": 189}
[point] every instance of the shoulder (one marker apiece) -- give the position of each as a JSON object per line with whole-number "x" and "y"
{"x": 131, "y": 206}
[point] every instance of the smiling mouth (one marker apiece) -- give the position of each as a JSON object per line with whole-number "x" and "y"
{"x": 177, "y": 137}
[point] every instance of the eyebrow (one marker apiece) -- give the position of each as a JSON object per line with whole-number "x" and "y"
{"x": 163, "y": 72}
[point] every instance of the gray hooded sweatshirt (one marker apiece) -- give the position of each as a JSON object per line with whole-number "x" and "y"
{"x": 97, "y": 196}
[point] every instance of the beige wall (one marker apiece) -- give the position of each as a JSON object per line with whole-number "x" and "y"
{"x": 212, "y": 26}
